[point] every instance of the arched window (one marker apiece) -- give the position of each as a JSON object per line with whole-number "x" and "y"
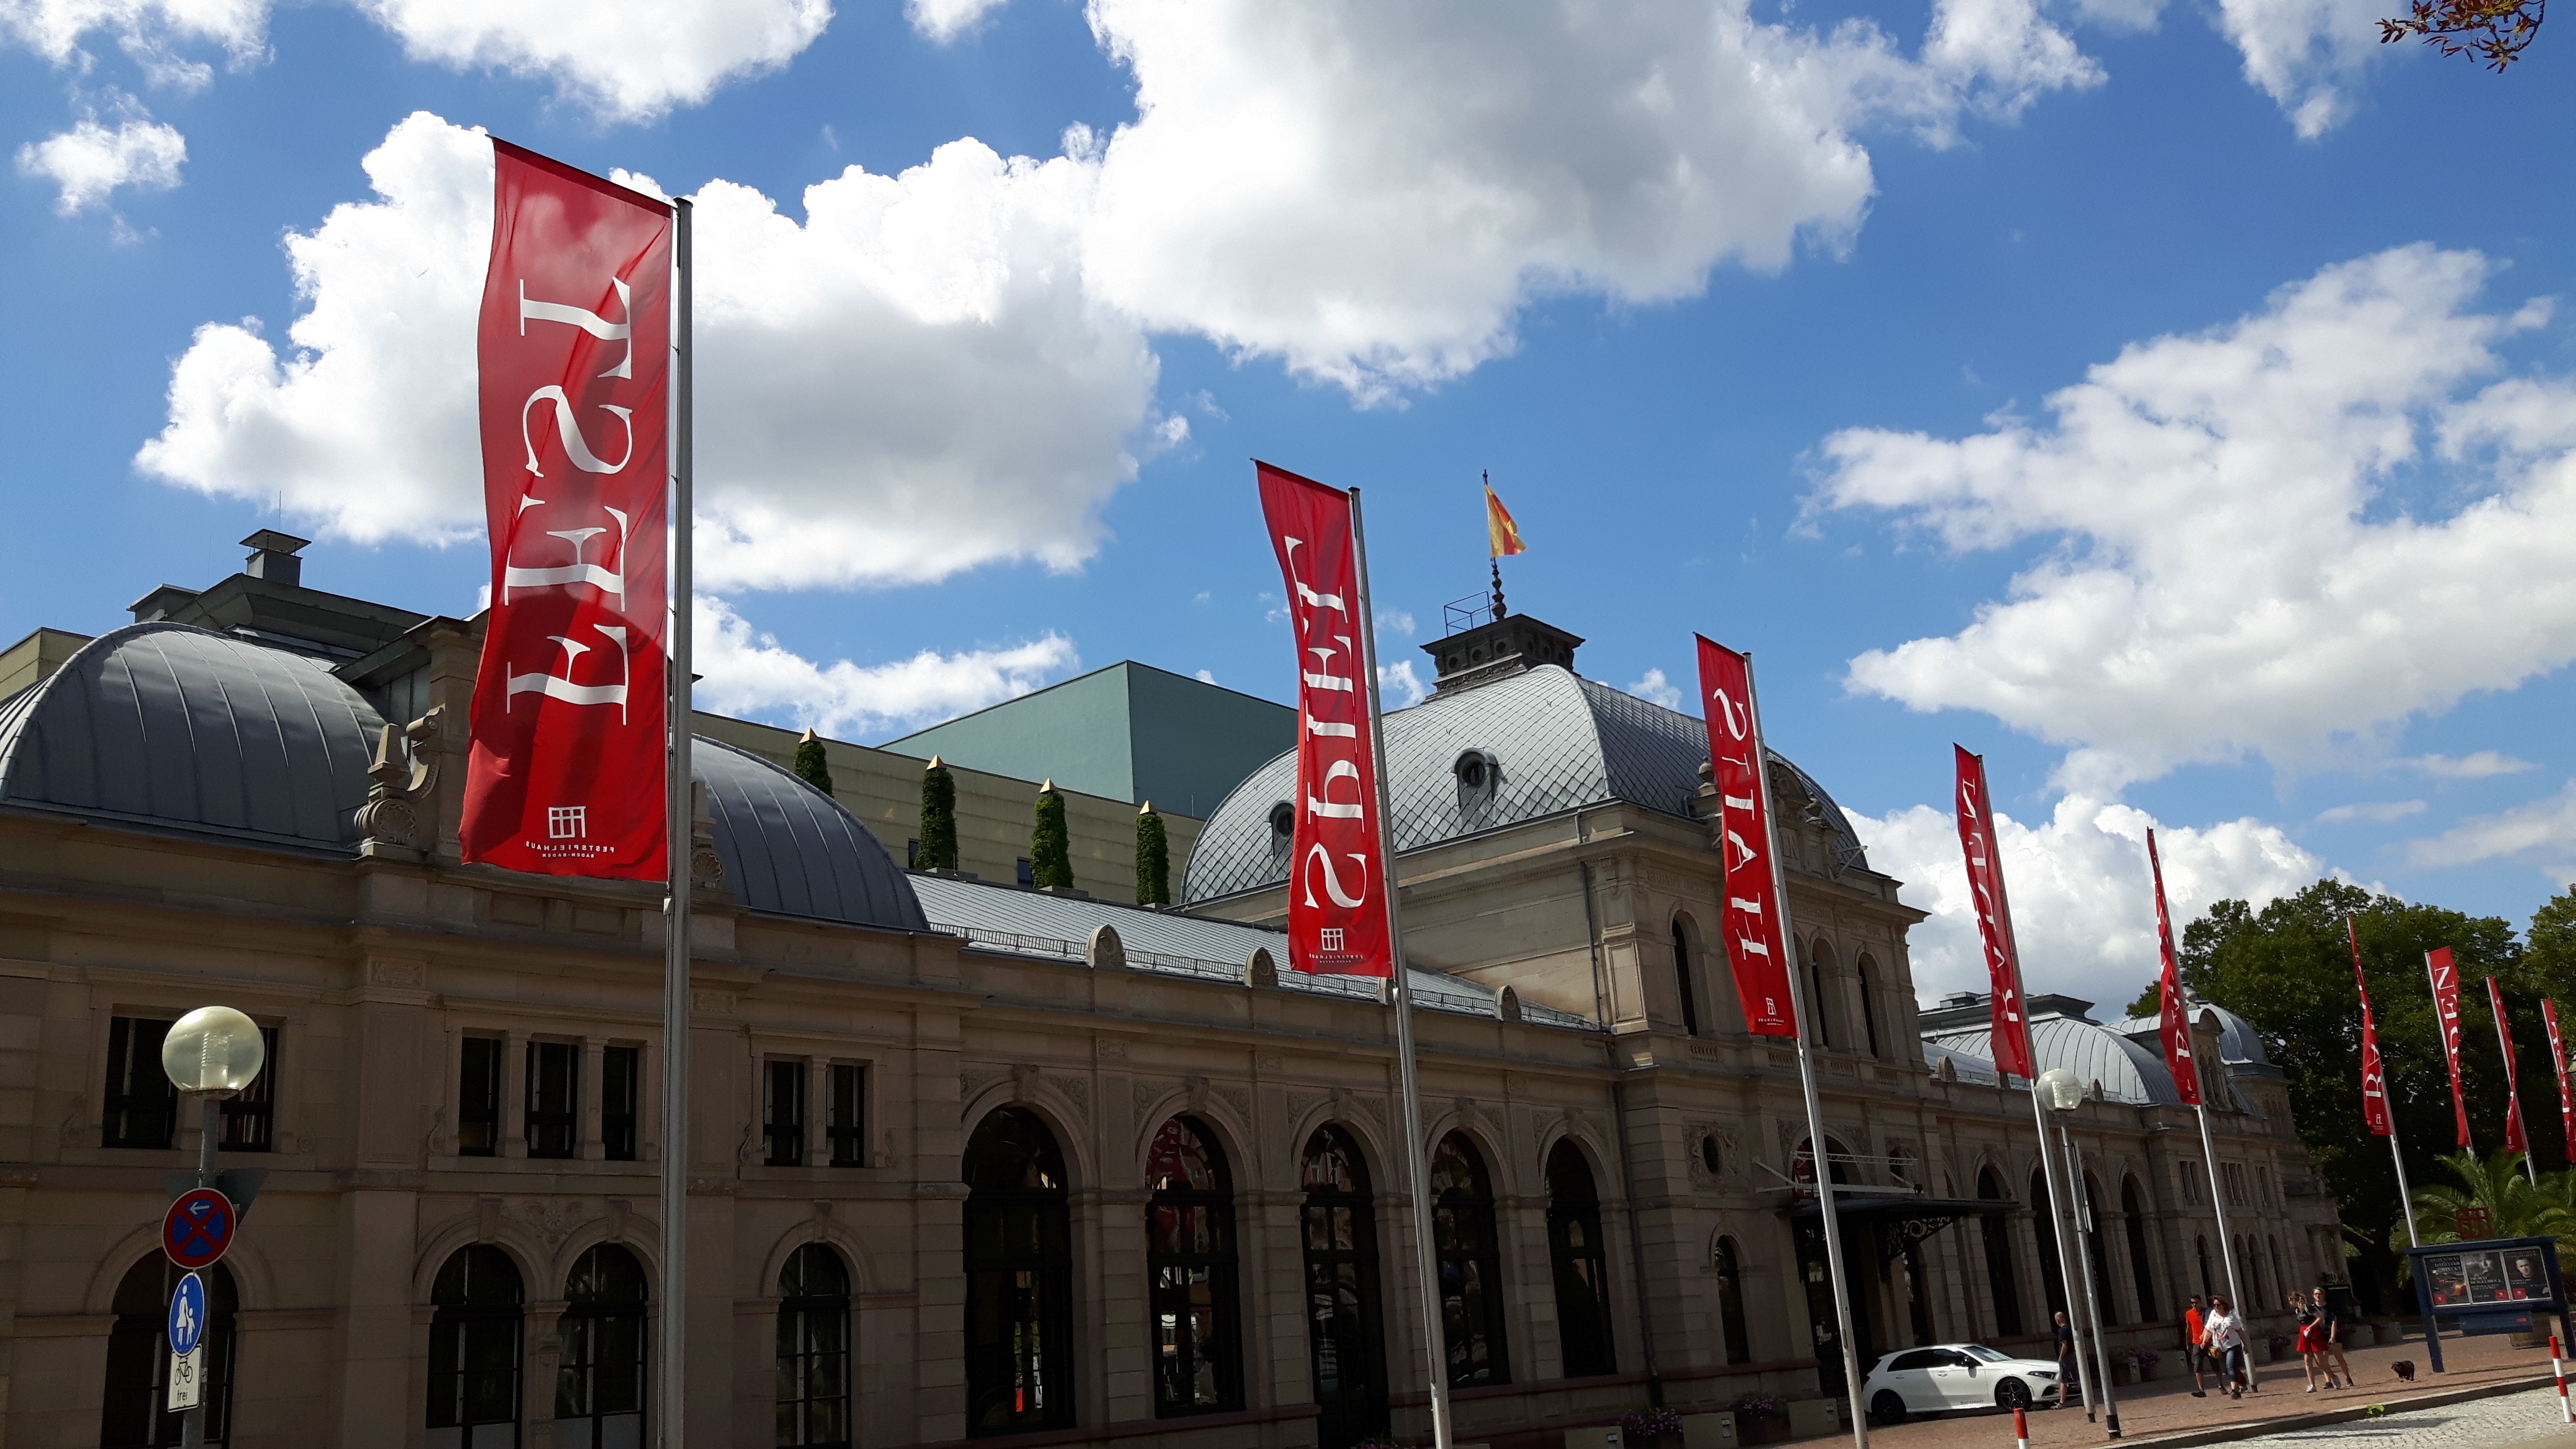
{"x": 1802, "y": 1166}
{"x": 1189, "y": 1262}
{"x": 2000, "y": 1284}
{"x": 1471, "y": 1265}
{"x": 1730, "y": 1303}
{"x": 1869, "y": 1003}
{"x": 138, "y": 1358}
{"x": 1343, "y": 1322}
{"x": 2208, "y": 1284}
{"x": 1682, "y": 977}
{"x": 2280, "y": 1271}
{"x": 1820, "y": 1022}
{"x": 474, "y": 1343}
{"x": 814, "y": 1349}
{"x": 2140, "y": 1274}
{"x": 1019, "y": 1278}
{"x": 2043, "y": 1222}
{"x": 599, "y": 1380}
{"x": 2098, "y": 1244}
{"x": 1582, "y": 1274}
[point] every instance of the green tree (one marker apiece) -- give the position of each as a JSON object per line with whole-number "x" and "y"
{"x": 1153, "y": 859}
{"x": 938, "y": 818}
{"x": 2515, "y": 1207}
{"x": 811, "y": 767}
{"x": 1050, "y": 846}
{"x": 2287, "y": 970}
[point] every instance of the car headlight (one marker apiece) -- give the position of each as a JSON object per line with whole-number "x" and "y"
{"x": 2043, "y": 1373}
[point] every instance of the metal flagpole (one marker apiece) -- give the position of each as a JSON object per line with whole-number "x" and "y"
{"x": 2051, "y": 1167}
{"x": 2404, "y": 1196}
{"x": 2226, "y": 1243}
{"x": 2504, "y": 1049}
{"x": 1417, "y": 1165}
{"x": 676, "y": 833}
{"x": 1832, "y": 1222}
{"x": 2082, "y": 1203}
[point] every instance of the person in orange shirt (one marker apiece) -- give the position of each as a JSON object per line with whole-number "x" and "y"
{"x": 2192, "y": 1354}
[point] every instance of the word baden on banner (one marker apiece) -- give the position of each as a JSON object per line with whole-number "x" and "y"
{"x": 566, "y": 774}
{"x": 1751, "y": 920}
{"x": 2173, "y": 1024}
{"x": 1337, "y": 919}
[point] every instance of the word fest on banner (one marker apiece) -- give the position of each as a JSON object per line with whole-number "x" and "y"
{"x": 1756, "y": 946}
{"x": 2374, "y": 1072}
{"x": 2173, "y": 1025}
{"x": 2445, "y": 974}
{"x": 1337, "y": 907}
{"x": 570, "y": 706}
{"x": 2514, "y": 1140}
{"x": 2010, "y": 1033}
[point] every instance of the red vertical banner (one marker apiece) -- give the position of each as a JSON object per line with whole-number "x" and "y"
{"x": 1755, "y": 944}
{"x": 2374, "y": 1072}
{"x": 567, "y": 772}
{"x": 2009, "y": 1036}
{"x": 2174, "y": 1027}
{"x": 2446, "y": 1011}
{"x": 1338, "y": 878}
{"x": 2515, "y": 1139}
{"x": 2558, "y": 1059}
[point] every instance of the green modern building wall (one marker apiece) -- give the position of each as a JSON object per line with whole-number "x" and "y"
{"x": 1129, "y": 731}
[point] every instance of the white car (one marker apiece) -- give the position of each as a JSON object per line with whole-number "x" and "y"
{"x": 1953, "y": 1376}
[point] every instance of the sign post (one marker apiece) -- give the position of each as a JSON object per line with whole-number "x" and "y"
{"x": 2498, "y": 1285}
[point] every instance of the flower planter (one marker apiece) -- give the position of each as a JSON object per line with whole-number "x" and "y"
{"x": 1764, "y": 1430}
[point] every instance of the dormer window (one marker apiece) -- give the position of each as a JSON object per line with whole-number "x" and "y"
{"x": 1479, "y": 776}
{"x": 1283, "y": 825}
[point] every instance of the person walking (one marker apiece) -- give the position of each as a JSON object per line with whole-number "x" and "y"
{"x": 2066, "y": 1370}
{"x": 2192, "y": 1353}
{"x": 2223, "y": 1335}
{"x": 2332, "y": 1331}
{"x": 2312, "y": 1354}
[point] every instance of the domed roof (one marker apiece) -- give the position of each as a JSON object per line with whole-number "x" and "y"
{"x": 2127, "y": 1071}
{"x": 173, "y": 727}
{"x": 181, "y": 728}
{"x": 791, "y": 850}
{"x": 1551, "y": 742}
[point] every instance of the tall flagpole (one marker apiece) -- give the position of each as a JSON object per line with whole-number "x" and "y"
{"x": 2226, "y": 1241}
{"x": 1831, "y": 1220}
{"x": 2504, "y": 1049}
{"x": 676, "y": 827}
{"x": 1417, "y": 1164}
{"x": 2361, "y": 984}
{"x": 2405, "y": 1196}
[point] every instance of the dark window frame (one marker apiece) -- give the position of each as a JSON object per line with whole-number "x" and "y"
{"x": 250, "y": 1116}
{"x": 1473, "y": 1301}
{"x": 1730, "y": 1302}
{"x": 1345, "y": 1321}
{"x": 606, "y": 1334}
{"x": 480, "y": 1314}
{"x": 815, "y": 1351}
{"x": 1018, "y": 1257}
{"x": 142, "y": 1107}
{"x": 137, "y": 1383}
{"x": 1194, "y": 1317}
{"x": 550, "y": 1107}
{"x": 782, "y": 1111}
{"x": 1682, "y": 978}
{"x": 1580, "y": 1263}
{"x": 621, "y": 1102}
{"x": 845, "y": 1114}
{"x": 478, "y": 1096}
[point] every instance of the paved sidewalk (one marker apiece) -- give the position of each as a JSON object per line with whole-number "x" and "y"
{"x": 2165, "y": 1408}
{"x": 2529, "y": 1418}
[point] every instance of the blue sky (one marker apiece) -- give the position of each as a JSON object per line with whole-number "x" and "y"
{"x": 2164, "y": 400}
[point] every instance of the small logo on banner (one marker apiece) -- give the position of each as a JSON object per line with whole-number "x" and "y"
{"x": 567, "y": 822}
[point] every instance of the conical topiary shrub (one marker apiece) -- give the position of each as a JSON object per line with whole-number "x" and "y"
{"x": 938, "y": 818}
{"x": 811, "y": 767}
{"x": 1153, "y": 859}
{"x": 1050, "y": 847}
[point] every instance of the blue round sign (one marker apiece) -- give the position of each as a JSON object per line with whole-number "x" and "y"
{"x": 187, "y": 1314}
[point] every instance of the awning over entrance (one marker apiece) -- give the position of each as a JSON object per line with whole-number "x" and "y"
{"x": 1900, "y": 1221}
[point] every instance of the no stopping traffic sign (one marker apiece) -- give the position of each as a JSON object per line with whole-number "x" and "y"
{"x": 198, "y": 1227}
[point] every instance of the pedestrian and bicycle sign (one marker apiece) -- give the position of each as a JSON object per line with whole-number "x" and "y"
{"x": 198, "y": 1228}
{"x": 187, "y": 1337}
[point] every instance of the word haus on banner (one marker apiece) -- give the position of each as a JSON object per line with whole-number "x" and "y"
{"x": 566, "y": 772}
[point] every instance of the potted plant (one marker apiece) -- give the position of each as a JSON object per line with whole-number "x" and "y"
{"x": 2278, "y": 1345}
{"x": 1759, "y": 1420}
{"x": 1650, "y": 1429}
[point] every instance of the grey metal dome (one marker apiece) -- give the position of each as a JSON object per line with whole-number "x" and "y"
{"x": 1551, "y": 741}
{"x": 790, "y": 850}
{"x": 172, "y": 727}
{"x": 2127, "y": 1071}
{"x": 181, "y": 728}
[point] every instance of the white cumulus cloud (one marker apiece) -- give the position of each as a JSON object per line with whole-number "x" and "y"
{"x": 750, "y": 673}
{"x": 2476, "y": 765}
{"x": 2380, "y": 811}
{"x": 1657, "y": 688}
{"x": 2224, "y": 571}
{"x": 91, "y": 161}
{"x": 2083, "y": 905}
{"x": 154, "y": 33}
{"x": 624, "y": 59}
{"x": 945, "y": 20}
{"x": 1370, "y": 192}
{"x": 1398, "y": 687}
{"x": 908, "y": 383}
{"x": 2305, "y": 54}
{"x": 2542, "y": 832}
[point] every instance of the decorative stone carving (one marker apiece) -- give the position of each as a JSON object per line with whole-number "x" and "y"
{"x": 396, "y": 973}
{"x": 1105, "y": 949}
{"x": 1261, "y": 970}
{"x": 550, "y": 1219}
{"x": 706, "y": 867}
{"x": 1238, "y": 1098}
{"x": 405, "y": 772}
{"x": 1507, "y": 1004}
{"x": 1077, "y": 1098}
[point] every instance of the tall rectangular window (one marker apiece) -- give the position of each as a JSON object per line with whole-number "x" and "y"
{"x": 846, "y": 1121}
{"x": 478, "y": 1098}
{"x": 142, "y": 1106}
{"x": 782, "y": 1113}
{"x": 554, "y": 1099}
{"x": 250, "y": 1119}
{"x": 621, "y": 1080}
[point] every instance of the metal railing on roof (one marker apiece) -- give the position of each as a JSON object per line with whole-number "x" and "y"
{"x": 1357, "y": 988}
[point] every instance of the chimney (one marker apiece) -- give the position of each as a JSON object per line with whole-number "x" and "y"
{"x": 272, "y": 557}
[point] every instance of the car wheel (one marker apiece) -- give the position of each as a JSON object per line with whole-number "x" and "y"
{"x": 1888, "y": 1407}
{"x": 2012, "y": 1394}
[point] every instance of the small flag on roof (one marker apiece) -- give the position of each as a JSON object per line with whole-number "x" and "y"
{"x": 1504, "y": 534}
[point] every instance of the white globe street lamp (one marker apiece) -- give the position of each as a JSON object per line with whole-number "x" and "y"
{"x": 213, "y": 1052}
{"x": 2061, "y": 1093}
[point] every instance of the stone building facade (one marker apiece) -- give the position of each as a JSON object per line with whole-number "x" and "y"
{"x": 971, "y": 1161}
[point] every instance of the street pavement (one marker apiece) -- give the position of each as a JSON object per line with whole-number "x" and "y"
{"x": 2524, "y": 1418}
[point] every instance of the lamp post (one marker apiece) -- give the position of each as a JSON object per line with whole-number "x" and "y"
{"x": 2062, "y": 1094}
{"x": 211, "y": 1054}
